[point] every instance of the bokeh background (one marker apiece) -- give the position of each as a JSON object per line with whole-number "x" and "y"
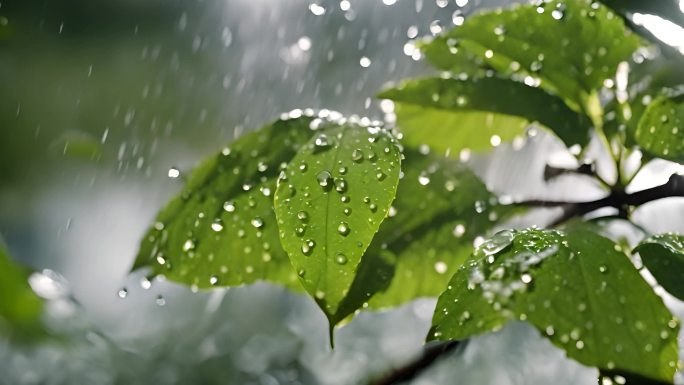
{"x": 99, "y": 99}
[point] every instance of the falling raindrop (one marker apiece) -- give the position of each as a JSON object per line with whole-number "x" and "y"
{"x": 174, "y": 173}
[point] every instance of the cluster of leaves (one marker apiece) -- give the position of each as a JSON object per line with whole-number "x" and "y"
{"x": 363, "y": 217}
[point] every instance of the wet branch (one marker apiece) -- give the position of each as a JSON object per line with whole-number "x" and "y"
{"x": 430, "y": 354}
{"x": 617, "y": 199}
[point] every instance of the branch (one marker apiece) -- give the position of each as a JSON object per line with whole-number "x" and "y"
{"x": 617, "y": 199}
{"x": 408, "y": 372}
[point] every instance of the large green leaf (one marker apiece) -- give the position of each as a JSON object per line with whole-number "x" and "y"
{"x": 221, "y": 229}
{"x": 330, "y": 202}
{"x": 660, "y": 131}
{"x": 457, "y": 113}
{"x": 432, "y": 236}
{"x": 663, "y": 255}
{"x": 20, "y": 308}
{"x": 578, "y": 288}
{"x": 568, "y": 47}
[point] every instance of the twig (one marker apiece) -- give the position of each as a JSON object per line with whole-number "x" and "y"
{"x": 431, "y": 353}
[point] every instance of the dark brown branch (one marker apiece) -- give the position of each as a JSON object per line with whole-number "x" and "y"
{"x": 431, "y": 353}
{"x": 617, "y": 199}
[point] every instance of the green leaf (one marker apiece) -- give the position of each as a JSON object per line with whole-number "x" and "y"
{"x": 20, "y": 308}
{"x": 578, "y": 288}
{"x": 330, "y": 202}
{"x": 567, "y": 47}
{"x": 663, "y": 255}
{"x": 432, "y": 236}
{"x": 660, "y": 131}
{"x": 456, "y": 114}
{"x": 221, "y": 229}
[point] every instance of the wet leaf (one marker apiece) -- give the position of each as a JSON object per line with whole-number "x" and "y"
{"x": 20, "y": 307}
{"x": 330, "y": 202}
{"x": 565, "y": 47}
{"x": 221, "y": 229}
{"x": 663, "y": 255}
{"x": 660, "y": 131}
{"x": 456, "y": 114}
{"x": 578, "y": 288}
{"x": 433, "y": 236}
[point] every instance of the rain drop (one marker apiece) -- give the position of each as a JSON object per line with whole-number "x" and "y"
{"x": 341, "y": 259}
{"x": 343, "y": 229}
{"x": 123, "y": 293}
{"x": 257, "y": 222}
{"x": 324, "y": 179}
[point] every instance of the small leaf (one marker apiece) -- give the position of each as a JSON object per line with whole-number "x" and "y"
{"x": 663, "y": 255}
{"x": 455, "y": 112}
{"x": 566, "y": 47}
{"x": 330, "y": 202}
{"x": 660, "y": 131}
{"x": 20, "y": 307}
{"x": 578, "y": 288}
{"x": 221, "y": 229}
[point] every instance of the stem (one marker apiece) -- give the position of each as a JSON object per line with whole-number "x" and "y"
{"x": 617, "y": 199}
{"x": 430, "y": 354}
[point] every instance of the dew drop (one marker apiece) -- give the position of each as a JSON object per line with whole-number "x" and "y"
{"x": 341, "y": 259}
{"x": 357, "y": 155}
{"x": 343, "y": 229}
{"x": 307, "y": 247}
{"x": 229, "y": 206}
{"x": 423, "y": 179}
{"x": 160, "y": 301}
{"x": 217, "y": 225}
{"x": 123, "y": 293}
{"x": 303, "y": 216}
{"x": 324, "y": 179}
{"x": 257, "y": 222}
{"x": 213, "y": 280}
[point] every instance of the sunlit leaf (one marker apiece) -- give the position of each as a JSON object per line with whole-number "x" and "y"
{"x": 456, "y": 114}
{"x": 330, "y": 202}
{"x": 663, "y": 255}
{"x": 221, "y": 229}
{"x": 20, "y": 308}
{"x": 660, "y": 131}
{"x": 578, "y": 288}
{"x": 567, "y": 47}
